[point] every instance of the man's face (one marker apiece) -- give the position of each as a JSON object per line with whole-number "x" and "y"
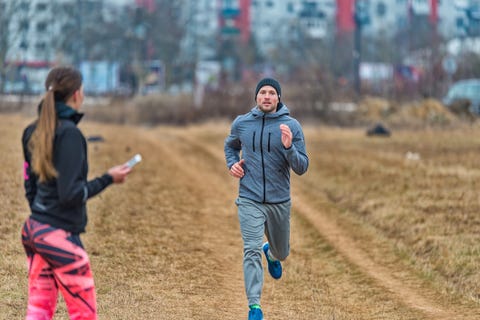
{"x": 267, "y": 99}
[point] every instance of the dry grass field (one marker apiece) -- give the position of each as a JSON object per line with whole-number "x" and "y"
{"x": 382, "y": 228}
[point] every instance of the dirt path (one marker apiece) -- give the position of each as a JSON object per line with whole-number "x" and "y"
{"x": 166, "y": 245}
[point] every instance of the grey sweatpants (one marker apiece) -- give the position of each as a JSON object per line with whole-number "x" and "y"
{"x": 257, "y": 219}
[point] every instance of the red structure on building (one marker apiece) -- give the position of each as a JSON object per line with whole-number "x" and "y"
{"x": 434, "y": 11}
{"x": 235, "y": 19}
{"x": 244, "y": 20}
{"x": 147, "y": 4}
{"x": 344, "y": 17}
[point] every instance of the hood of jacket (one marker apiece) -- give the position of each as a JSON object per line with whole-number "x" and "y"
{"x": 282, "y": 110}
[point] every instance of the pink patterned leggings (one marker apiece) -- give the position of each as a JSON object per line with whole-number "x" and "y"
{"x": 57, "y": 260}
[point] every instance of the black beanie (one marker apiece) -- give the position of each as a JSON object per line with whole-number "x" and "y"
{"x": 269, "y": 82}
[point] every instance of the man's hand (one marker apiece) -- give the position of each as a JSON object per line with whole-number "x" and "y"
{"x": 286, "y": 136}
{"x": 237, "y": 170}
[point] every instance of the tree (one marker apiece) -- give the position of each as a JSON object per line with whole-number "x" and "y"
{"x": 8, "y": 35}
{"x": 84, "y": 33}
{"x": 164, "y": 29}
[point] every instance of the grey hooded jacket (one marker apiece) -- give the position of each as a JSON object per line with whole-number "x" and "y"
{"x": 257, "y": 136}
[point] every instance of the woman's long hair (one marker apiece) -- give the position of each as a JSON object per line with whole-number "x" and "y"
{"x": 61, "y": 84}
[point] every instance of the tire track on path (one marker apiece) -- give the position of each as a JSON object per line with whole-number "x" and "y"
{"x": 403, "y": 289}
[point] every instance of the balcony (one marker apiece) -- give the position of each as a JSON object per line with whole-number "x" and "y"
{"x": 230, "y": 12}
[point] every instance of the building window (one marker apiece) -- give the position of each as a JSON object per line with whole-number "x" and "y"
{"x": 229, "y": 4}
{"x": 41, "y": 26}
{"x": 381, "y": 9}
{"x": 40, "y": 46}
{"x": 24, "y": 25}
{"x": 23, "y": 45}
{"x": 290, "y": 7}
{"x": 459, "y": 23}
{"x": 24, "y": 6}
{"x": 309, "y": 6}
{"x": 41, "y": 6}
{"x": 402, "y": 22}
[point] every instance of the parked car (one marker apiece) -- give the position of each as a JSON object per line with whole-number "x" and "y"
{"x": 466, "y": 92}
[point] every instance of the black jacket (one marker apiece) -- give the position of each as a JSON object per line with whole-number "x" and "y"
{"x": 61, "y": 202}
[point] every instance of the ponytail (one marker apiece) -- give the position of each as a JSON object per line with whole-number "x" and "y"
{"x": 61, "y": 84}
{"x": 41, "y": 143}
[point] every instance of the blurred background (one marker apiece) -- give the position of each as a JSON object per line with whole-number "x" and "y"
{"x": 328, "y": 54}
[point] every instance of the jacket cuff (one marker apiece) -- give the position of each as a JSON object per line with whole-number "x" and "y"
{"x": 107, "y": 178}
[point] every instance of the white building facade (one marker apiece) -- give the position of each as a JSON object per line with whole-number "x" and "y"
{"x": 274, "y": 22}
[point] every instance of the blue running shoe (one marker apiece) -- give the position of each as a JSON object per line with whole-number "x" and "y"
{"x": 274, "y": 266}
{"x": 255, "y": 314}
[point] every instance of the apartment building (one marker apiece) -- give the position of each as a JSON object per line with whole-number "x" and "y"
{"x": 37, "y": 28}
{"x": 453, "y": 18}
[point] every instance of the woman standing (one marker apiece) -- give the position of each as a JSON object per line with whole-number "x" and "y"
{"x": 57, "y": 189}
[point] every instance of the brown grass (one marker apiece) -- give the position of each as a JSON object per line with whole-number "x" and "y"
{"x": 427, "y": 209}
{"x": 166, "y": 244}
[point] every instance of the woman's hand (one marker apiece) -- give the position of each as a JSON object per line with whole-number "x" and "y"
{"x": 119, "y": 173}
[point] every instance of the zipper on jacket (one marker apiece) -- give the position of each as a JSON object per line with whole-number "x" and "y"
{"x": 269, "y": 134}
{"x": 253, "y": 141}
{"x": 263, "y": 161}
